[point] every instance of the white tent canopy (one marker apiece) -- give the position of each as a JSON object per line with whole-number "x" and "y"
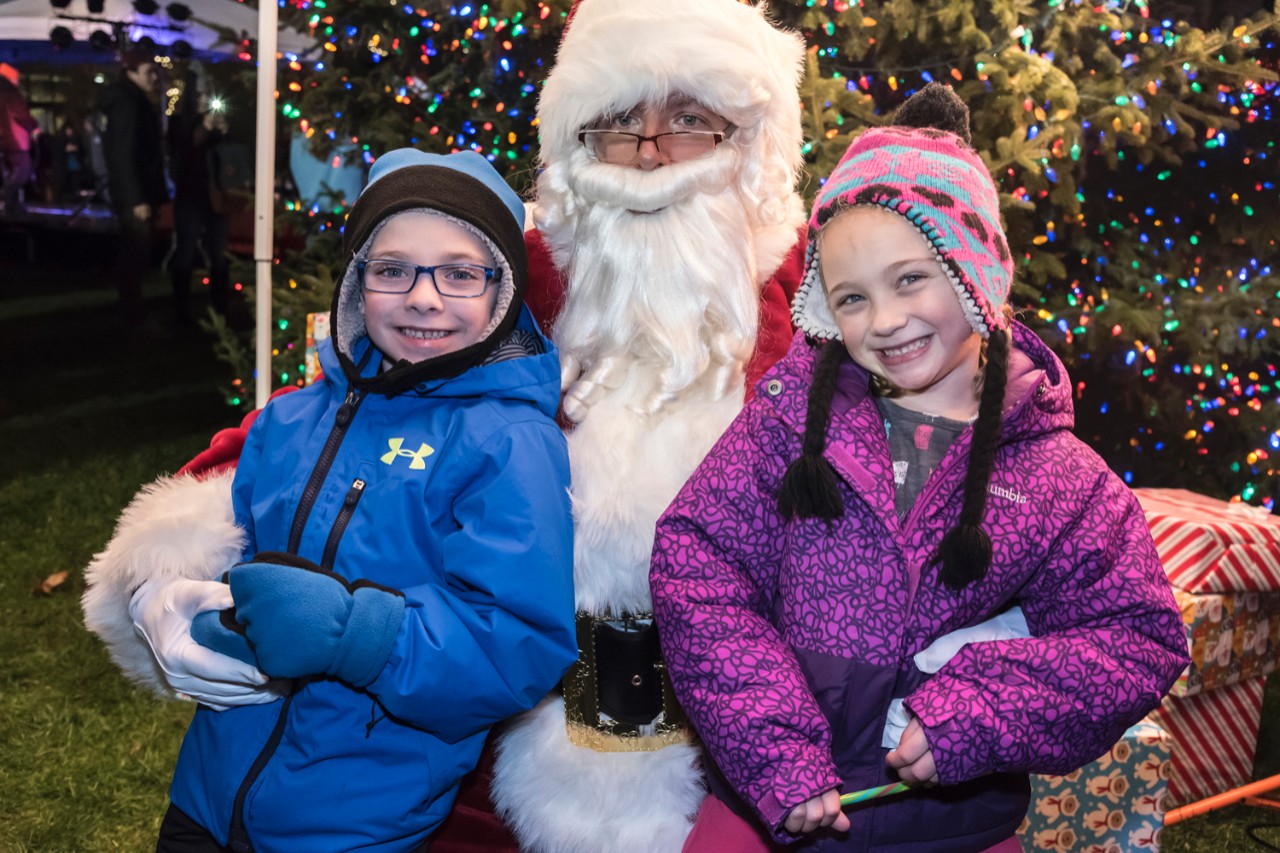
{"x": 25, "y": 26}
{"x": 31, "y": 21}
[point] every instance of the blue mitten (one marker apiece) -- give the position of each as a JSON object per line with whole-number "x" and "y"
{"x": 302, "y": 620}
{"x": 219, "y": 630}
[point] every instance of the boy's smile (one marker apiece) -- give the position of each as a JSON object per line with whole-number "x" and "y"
{"x": 422, "y": 324}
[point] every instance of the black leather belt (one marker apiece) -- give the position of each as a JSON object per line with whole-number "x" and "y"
{"x": 617, "y": 695}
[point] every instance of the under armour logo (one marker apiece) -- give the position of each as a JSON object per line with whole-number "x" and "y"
{"x": 396, "y": 450}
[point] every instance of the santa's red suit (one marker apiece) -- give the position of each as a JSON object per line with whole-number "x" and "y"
{"x": 667, "y": 294}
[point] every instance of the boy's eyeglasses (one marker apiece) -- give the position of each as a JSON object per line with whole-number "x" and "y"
{"x": 619, "y": 147}
{"x": 458, "y": 281}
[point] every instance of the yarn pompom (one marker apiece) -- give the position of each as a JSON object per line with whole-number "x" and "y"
{"x": 935, "y": 106}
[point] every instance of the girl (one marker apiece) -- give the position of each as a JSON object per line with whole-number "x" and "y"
{"x": 907, "y": 471}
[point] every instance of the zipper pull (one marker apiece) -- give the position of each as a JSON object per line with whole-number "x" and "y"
{"x": 374, "y": 719}
{"x": 353, "y": 493}
{"x": 343, "y": 416}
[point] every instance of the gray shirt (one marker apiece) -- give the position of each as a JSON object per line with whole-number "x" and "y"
{"x": 917, "y": 443}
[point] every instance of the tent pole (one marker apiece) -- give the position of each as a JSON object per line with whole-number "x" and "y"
{"x": 264, "y": 197}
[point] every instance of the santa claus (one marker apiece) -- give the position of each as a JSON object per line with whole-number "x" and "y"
{"x": 666, "y": 251}
{"x": 670, "y": 145}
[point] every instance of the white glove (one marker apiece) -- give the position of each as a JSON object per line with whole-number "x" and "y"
{"x": 162, "y": 614}
{"x": 1009, "y": 625}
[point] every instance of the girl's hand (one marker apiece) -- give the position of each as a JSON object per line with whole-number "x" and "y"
{"x": 823, "y": 810}
{"x": 913, "y": 759}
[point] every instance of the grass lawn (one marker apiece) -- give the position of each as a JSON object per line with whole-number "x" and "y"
{"x": 87, "y": 416}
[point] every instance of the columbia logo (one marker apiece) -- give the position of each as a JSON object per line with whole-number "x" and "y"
{"x": 418, "y": 457}
{"x": 1007, "y": 494}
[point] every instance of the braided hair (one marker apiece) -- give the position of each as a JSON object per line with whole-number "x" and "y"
{"x": 965, "y": 550}
{"x": 809, "y": 487}
{"x": 939, "y": 184}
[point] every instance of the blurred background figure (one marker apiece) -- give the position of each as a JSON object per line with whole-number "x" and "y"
{"x": 95, "y": 153}
{"x": 135, "y": 172}
{"x": 71, "y": 176}
{"x": 201, "y": 207}
{"x": 17, "y": 132}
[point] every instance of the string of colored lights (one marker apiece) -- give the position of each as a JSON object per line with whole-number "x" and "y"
{"x": 1140, "y": 255}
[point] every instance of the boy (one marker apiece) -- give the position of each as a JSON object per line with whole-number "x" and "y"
{"x": 411, "y": 534}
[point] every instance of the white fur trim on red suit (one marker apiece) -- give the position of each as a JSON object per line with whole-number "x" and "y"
{"x": 617, "y": 54}
{"x": 560, "y": 798}
{"x": 175, "y": 528}
{"x": 627, "y": 468}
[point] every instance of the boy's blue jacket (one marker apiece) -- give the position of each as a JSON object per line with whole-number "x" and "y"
{"x": 465, "y": 510}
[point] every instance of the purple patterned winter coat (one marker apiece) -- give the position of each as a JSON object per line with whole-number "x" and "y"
{"x": 787, "y": 641}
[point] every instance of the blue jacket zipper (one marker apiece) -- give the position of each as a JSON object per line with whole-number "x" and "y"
{"x": 341, "y": 420}
{"x": 340, "y": 523}
{"x": 238, "y": 834}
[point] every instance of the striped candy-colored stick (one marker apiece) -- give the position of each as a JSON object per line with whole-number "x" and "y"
{"x": 872, "y": 793}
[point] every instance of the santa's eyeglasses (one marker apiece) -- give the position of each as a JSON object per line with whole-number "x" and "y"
{"x": 619, "y": 147}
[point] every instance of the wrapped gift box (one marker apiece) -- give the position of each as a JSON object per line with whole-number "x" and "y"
{"x": 1115, "y": 803}
{"x": 1223, "y": 559}
{"x": 1232, "y": 638}
{"x": 1215, "y": 735}
{"x": 1212, "y": 546}
{"x": 317, "y": 331}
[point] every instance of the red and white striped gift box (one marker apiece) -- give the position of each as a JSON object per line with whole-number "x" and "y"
{"x": 1208, "y": 545}
{"x": 1214, "y": 737}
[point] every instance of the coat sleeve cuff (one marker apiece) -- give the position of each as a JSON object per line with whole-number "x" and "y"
{"x": 952, "y": 728}
{"x": 174, "y": 529}
{"x": 801, "y": 780}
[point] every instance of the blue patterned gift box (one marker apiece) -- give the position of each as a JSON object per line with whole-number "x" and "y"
{"x": 1111, "y": 805}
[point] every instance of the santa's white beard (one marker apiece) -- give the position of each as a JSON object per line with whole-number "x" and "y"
{"x": 662, "y": 288}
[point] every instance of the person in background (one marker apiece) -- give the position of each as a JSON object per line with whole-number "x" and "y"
{"x": 18, "y": 129}
{"x": 195, "y": 129}
{"x": 69, "y": 161}
{"x": 95, "y": 155}
{"x": 133, "y": 144}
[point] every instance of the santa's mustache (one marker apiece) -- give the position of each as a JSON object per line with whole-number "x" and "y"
{"x": 674, "y": 290}
{"x": 641, "y": 191}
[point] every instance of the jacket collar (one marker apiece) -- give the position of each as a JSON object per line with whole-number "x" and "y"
{"x": 534, "y": 379}
{"x": 1037, "y": 394}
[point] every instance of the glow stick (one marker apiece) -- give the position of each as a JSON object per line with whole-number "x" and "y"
{"x": 872, "y": 793}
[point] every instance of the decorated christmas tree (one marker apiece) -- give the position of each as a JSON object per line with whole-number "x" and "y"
{"x": 1136, "y": 156}
{"x": 1134, "y": 144}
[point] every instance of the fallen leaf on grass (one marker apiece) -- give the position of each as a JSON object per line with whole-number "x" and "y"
{"x": 55, "y": 580}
